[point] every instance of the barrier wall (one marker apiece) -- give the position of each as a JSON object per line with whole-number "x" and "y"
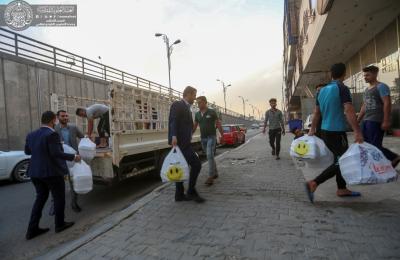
{"x": 25, "y": 88}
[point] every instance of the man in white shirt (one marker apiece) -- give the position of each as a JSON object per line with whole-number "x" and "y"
{"x": 93, "y": 112}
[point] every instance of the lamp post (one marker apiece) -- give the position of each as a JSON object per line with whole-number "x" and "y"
{"x": 169, "y": 52}
{"x": 224, "y": 90}
{"x": 253, "y": 107}
{"x": 259, "y": 113}
{"x": 244, "y": 106}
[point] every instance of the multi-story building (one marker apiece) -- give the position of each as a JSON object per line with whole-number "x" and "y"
{"x": 319, "y": 33}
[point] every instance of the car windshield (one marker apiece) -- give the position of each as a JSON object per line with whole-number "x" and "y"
{"x": 226, "y": 129}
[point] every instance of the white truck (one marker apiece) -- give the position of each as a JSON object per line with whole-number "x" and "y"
{"x": 139, "y": 130}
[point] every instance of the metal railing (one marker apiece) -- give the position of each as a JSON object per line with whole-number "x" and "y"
{"x": 25, "y": 47}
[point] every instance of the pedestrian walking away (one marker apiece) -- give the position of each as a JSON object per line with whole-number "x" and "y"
{"x": 70, "y": 135}
{"x": 208, "y": 121}
{"x": 180, "y": 131}
{"x": 274, "y": 120}
{"x": 334, "y": 105}
{"x": 46, "y": 170}
{"x": 375, "y": 113}
{"x": 93, "y": 112}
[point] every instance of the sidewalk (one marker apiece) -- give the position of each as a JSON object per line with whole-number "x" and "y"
{"x": 256, "y": 210}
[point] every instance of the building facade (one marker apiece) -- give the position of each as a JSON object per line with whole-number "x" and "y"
{"x": 319, "y": 33}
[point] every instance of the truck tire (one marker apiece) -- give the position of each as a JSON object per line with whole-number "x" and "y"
{"x": 161, "y": 158}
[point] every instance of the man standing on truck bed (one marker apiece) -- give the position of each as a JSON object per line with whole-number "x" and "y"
{"x": 180, "y": 126}
{"x": 208, "y": 120}
{"x": 93, "y": 112}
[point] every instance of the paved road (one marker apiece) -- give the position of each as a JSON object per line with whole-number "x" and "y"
{"x": 16, "y": 201}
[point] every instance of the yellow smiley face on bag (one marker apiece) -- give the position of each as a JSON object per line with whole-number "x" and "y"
{"x": 301, "y": 148}
{"x": 175, "y": 173}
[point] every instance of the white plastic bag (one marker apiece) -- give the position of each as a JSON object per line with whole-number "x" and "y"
{"x": 305, "y": 147}
{"x": 366, "y": 164}
{"x": 81, "y": 177}
{"x": 321, "y": 163}
{"x": 219, "y": 136}
{"x": 175, "y": 167}
{"x": 70, "y": 150}
{"x": 87, "y": 149}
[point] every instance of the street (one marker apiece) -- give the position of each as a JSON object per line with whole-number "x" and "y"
{"x": 17, "y": 200}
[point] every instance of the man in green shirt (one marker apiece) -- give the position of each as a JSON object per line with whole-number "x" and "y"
{"x": 209, "y": 121}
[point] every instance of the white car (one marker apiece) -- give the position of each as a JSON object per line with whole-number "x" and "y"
{"x": 255, "y": 126}
{"x": 14, "y": 166}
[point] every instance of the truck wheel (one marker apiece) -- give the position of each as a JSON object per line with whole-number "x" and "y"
{"x": 156, "y": 173}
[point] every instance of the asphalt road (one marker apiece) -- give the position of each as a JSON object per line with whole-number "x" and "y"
{"x": 16, "y": 200}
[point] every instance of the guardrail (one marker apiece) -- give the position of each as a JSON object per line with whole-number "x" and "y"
{"x": 23, "y": 46}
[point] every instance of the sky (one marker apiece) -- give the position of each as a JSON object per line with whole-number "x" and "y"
{"x": 238, "y": 41}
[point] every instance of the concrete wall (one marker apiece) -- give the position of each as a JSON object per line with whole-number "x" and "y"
{"x": 25, "y": 88}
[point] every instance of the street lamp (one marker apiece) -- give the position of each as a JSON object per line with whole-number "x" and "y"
{"x": 169, "y": 52}
{"x": 244, "y": 106}
{"x": 253, "y": 107}
{"x": 224, "y": 89}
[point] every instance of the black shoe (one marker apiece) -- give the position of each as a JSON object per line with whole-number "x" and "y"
{"x": 181, "y": 198}
{"x": 76, "y": 208}
{"x": 273, "y": 152}
{"x": 195, "y": 197}
{"x": 64, "y": 227}
{"x": 277, "y": 157}
{"x": 34, "y": 233}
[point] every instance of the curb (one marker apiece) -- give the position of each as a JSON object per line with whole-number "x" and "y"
{"x": 116, "y": 218}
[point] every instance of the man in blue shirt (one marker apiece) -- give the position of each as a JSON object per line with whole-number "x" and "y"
{"x": 334, "y": 105}
{"x": 375, "y": 112}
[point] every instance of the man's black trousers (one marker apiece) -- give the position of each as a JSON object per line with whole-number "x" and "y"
{"x": 43, "y": 187}
{"x": 275, "y": 139}
{"x": 337, "y": 143}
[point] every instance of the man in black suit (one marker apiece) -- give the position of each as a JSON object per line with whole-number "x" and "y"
{"x": 47, "y": 169}
{"x": 180, "y": 129}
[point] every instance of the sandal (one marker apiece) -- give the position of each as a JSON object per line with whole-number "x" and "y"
{"x": 310, "y": 194}
{"x": 351, "y": 194}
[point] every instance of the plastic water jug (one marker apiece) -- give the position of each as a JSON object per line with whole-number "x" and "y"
{"x": 87, "y": 149}
{"x": 70, "y": 150}
{"x": 81, "y": 178}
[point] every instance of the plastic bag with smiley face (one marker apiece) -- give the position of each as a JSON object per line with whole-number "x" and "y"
{"x": 306, "y": 147}
{"x": 175, "y": 167}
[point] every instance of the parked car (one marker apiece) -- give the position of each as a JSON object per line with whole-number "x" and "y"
{"x": 255, "y": 126}
{"x": 243, "y": 128}
{"x": 233, "y": 135}
{"x": 14, "y": 166}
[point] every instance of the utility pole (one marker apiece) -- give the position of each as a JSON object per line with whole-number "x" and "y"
{"x": 244, "y": 106}
{"x": 224, "y": 87}
{"x": 253, "y": 107}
